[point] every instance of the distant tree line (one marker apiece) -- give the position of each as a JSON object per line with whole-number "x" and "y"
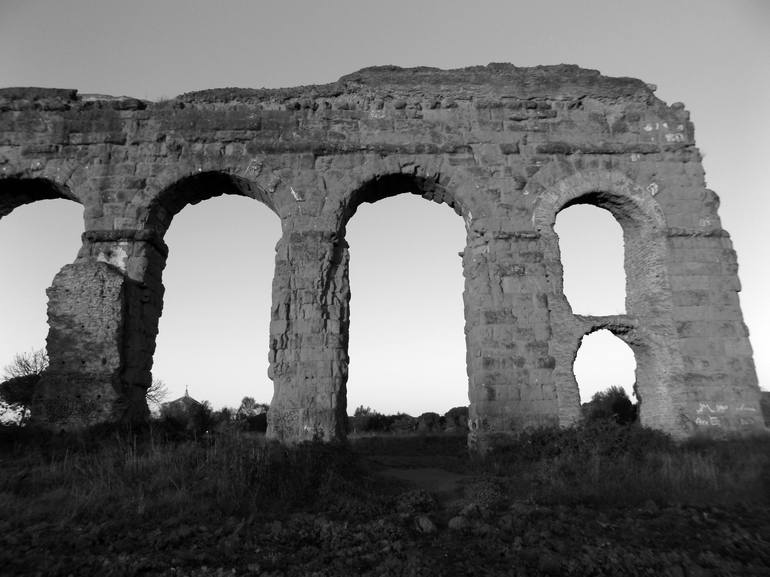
{"x": 367, "y": 420}
{"x": 190, "y": 418}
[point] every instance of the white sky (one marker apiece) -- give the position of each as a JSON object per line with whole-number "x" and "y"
{"x": 407, "y": 343}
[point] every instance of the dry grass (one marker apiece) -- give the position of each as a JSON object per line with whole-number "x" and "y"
{"x": 116, "y": 504}
{"x": 608, "y": 465}
{"x": 132, "y": 477}
{"x": 127, "y": 477}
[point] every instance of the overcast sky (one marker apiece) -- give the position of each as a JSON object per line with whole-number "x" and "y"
{"x": 407, "y": 343}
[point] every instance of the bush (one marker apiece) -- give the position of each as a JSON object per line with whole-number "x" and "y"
{"x": 428, "y": 422}
{"x": 456, "y": 418}
{"x": 253, "y": 423}
{"x": 192, "y": 422}
{"x": 602, "y": 437}
{"x": 370, "y": 421}
{"x": 612, "y": 404}
{"x": 362, "y": 411}
{"x": 252, "y": 416}
{"x": 21, "y": 378}
{"x": 17, "y": 393}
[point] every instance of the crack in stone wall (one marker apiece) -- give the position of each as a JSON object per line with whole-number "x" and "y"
{"x": 507, "y": 148}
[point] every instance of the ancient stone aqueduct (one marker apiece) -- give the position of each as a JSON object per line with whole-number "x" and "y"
{"x": 507, "y": 148}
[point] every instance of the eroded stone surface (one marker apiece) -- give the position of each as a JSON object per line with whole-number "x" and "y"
{"x": 507, "y": 148}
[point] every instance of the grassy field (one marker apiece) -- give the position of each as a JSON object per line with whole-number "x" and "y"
{"x": 114, "y": 503}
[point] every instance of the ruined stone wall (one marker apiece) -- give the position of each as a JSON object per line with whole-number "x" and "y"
{"x": 507, "y": 148}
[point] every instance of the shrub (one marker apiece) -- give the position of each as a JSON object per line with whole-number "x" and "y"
{"x": 192, "y": 422}
{"x": 456, "y": 418}
{"x": 17, "y": 392}
{"x": 362, "y": 411}
{"x": 252, "y": 416}
{"x": 428, "y": 422}
{"x": 367, "y": 420}
{"x": 612, "y": 404}
{"x": 254, "y": 423}
{"x": 370, "y": 422}
{"x": 21, "y": 378}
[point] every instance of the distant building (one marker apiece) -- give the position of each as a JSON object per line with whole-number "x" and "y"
{"x": 181, "y": 407}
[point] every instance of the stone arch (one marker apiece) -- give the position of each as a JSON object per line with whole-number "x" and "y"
{"x": 15, "y": 192}
{"x": 381, "y": 186}
{"x": 640, "y": 217}
{"x": 372, "y": 191}
{"x": 63, "y": 350}
{"x": 146, "y": 259}
{"x": 509, "y": 140}
{"x": 19, "y": 191}
{"x": 658, "y": 363}
{"x": 591, "y": 251}
{"x": 311, "y": 305}
{"x": 647, "y": 326}
{"x": 196, "y": 188}
{"x": 617, "y": 330}
{"x": 388, "y": 185}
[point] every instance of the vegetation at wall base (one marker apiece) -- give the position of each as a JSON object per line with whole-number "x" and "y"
{"x": 602, "y": 464}
{"x": 597, "y": 499}
{"x": 19, "y": 379}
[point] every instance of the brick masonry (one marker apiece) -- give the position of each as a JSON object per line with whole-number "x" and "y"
{"x": 507, "y": 148}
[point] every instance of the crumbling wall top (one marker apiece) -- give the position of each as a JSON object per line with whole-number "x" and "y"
{"x": 496, "y": 79}
{"x": 558, "y": 81}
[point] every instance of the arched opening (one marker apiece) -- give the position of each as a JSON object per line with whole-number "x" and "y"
{"x": 407, "y": 344}
{"x": 15, "y": 192}
{"x": 592, "y": 256}
{"x": 196, "y": 188}
{"x": 604, "y": 361}
{"x": 40, "y": 232}
{"x": 213, "y": 335}
{"x": 647, "y": 323}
